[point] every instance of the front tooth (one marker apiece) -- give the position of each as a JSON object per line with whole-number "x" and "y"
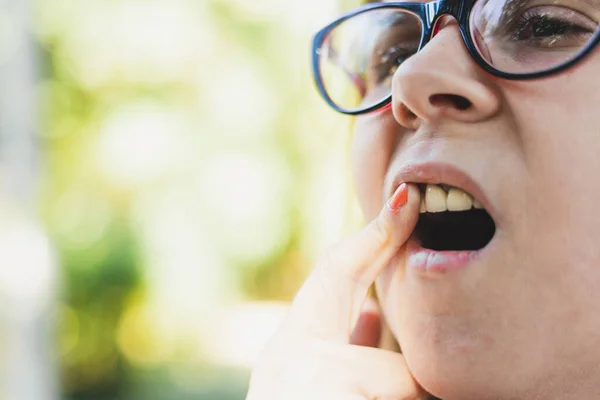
{"x": 458, "y": 200}
{"x": 435, "y": 199}
{"x": 477, "y": 205}
{"x": 423, "y": 208}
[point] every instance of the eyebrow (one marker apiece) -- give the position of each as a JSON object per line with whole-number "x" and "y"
{"x": 592, "y": 3}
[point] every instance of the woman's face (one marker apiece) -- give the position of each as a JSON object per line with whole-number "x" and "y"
{"x": 522, "y": 320}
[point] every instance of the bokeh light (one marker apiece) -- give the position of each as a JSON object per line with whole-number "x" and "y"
{"x": 189, "y": 175}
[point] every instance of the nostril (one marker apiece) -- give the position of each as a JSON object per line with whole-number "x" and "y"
{"x": 450, "y": 100}
{"x": 408, "y": 113}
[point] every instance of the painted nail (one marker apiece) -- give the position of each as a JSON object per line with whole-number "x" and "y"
{"x": 399, "y": 199}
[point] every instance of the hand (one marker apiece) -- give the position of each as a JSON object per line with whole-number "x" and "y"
{"x": 312, "y": 356}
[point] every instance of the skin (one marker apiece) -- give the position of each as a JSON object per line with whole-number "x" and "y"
{"x": 523, "y": 321}
{"x": 314, "y": 355}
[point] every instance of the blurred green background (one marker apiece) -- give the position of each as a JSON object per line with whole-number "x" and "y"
{"x": 185, "y": 176}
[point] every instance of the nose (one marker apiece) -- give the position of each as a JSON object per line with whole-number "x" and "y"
{"x": 442, "y": 82}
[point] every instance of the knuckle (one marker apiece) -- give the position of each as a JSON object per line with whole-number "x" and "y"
{"x": 326, "y": 260}
{"x": 380, "y": 230}
{"x": 328, "y": 269}
{"x": 334, "y": 275}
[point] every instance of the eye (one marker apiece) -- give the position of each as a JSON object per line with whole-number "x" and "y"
{"x": 388, "y": 62}
{"x": 529, "y": 36}
{"x": 552, "y": 27}
{"x": 391, "y": 59}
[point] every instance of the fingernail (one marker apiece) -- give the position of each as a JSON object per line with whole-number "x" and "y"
{"x": 399, "y": 199}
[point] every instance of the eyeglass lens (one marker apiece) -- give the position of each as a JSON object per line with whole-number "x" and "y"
{"x": 359, "y": 56}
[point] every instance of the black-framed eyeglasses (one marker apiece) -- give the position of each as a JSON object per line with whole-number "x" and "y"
{"x": 356, "y": 56}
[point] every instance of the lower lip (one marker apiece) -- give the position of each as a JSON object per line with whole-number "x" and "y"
{"x": 434, "y": 261}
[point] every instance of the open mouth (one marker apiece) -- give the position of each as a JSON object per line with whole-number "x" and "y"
{"x": 451, "y": 220}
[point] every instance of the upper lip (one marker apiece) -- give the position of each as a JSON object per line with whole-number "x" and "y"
{"x": 441, "y": 173}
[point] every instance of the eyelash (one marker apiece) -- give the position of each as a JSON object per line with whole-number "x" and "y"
{"x": 529, "y": 18}
{"x": 383, "y": 68}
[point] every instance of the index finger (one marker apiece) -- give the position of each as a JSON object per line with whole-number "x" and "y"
{"x": 330, "y": 300}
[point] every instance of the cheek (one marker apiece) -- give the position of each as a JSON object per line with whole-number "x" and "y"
{"x": 561, "y": 143}
{"x": 372, "y": 149}
{"x": 559, "y": 127}
{"x": 565, "y": 197}
{"x": 561, "y": 222}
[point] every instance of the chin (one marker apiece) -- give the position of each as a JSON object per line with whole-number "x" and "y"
{"x": 450, "y": 379}
{"x": 452, "y": 361}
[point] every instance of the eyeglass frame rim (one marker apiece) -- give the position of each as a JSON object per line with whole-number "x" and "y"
{"x": 429, "y": 14}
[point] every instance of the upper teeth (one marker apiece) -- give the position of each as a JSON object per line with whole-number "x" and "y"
{"x": 438, "y": 200}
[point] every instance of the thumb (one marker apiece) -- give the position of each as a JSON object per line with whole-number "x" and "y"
{"x": 367, "y": 331}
